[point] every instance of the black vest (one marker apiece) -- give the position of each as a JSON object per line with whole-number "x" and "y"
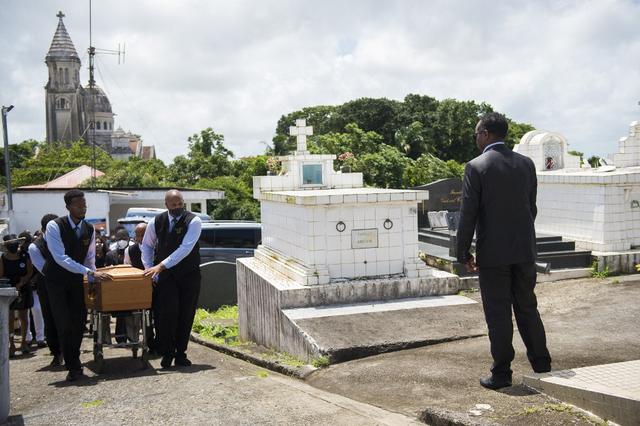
{"x": 74, "y": 247}
{"x": 168, "y": 242}
{"x": 41, "y": 245}
{"x": 135, "y": 255}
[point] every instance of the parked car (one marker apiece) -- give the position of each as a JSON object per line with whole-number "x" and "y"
{"x": 219, "y": 240}
{"x": 150, "y": 213}
{"x": 228, "y": 241}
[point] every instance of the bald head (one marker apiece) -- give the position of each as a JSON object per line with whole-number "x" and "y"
{"x": 140, "y": 229}
{"x": 174, "y": 202}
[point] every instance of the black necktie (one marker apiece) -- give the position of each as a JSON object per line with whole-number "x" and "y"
{"x": 76, "y": 229}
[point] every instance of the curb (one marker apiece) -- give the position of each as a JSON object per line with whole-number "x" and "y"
{"x": 298, "y": 373}
{"x": 441, "y": 417}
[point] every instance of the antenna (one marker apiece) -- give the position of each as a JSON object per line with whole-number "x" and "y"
{"x": 92, "y": 82}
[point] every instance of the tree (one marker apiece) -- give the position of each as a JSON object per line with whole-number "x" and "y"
{"x": 353, "y": 139}
{"x": 238, "y": 202}
{"x": 577, "y": 154}
{"x": 134, "y": 173}
{"x": 428, "y": 168}
{"x": 55, "y": 159}
{"x": 207, "y": 158}
{"x": 384, "y": 168}
{"x": 247, "y": 167}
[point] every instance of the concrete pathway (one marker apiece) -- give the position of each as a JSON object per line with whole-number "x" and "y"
{"x": 216, "y": 390}
{"x": 612, "y": 390}
{"x": 588, "y": 322}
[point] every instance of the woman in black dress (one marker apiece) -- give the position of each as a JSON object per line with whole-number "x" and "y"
{"x": 16, "y": 266}
{"x": 101, "y": 251}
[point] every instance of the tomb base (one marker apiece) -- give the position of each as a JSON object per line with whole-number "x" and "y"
{"x": 268, "y": 300}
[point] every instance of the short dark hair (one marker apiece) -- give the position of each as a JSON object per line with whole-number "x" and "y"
{"x": 70, "y": 195}
{"x": 494, "y": 123}
{"x": 122, "y": 234}
{"x": 46, "y": 219}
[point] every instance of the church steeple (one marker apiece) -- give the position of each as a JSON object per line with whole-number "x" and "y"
{"x": 64, "y": 103}
{"x": 61, "y": 45}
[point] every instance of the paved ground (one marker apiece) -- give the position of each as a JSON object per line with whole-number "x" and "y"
{"x": 588, "y": 322}
{"x": 217, "y": 389}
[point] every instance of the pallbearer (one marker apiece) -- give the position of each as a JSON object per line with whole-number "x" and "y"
{"x": 171, "y": 255}
{"x": 72, "y": 249}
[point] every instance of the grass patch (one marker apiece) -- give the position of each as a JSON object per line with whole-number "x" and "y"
{"x": 563, "y": 408}
{"x": 92, "y": 404}
{"x": 285, "y": 359}
{"x": 321, "y": 361}
{"x": 220, "y": 326}
{"x": 262, "y": 374}
{"x": 599, "y": 274}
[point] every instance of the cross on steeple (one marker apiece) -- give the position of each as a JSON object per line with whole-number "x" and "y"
{"x": 60, "y": 15}
{"x": 301, "y": 131}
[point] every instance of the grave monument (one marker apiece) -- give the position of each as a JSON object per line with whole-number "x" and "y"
{"x": 598, "y": 208}
{"x": 327, "y": 241}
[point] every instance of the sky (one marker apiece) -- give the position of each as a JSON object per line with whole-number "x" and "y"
{"x": 237, "y": 66}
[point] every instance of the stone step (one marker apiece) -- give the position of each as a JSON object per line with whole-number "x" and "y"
{"x": 345, "y": 332}
{"x": 548, "y": 246}
{"x": 611, "y": 391}
{"x": 564, "y": 260}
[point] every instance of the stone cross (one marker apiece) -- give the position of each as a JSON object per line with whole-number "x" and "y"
{"x": 301, "y": 131}
{"x": 60, "y": 15}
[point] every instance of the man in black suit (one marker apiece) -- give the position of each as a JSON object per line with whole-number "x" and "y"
{"x": 499, "y": 204}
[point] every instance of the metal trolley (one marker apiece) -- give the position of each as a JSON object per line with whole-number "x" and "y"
{"x": 98, "y": 319}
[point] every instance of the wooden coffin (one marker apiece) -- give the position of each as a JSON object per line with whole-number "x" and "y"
{"x": 129, "y": 290}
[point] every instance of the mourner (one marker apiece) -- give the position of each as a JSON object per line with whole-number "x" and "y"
{"x": 17, "y": 268}
{"x": 71, "y": 255}
{"x": 116, "y": 256}
{"x": 38, "y": 253}
{"x": 35, "y": 328}
{"x": 133, "y": 257}
{"x": 170, "y": 254}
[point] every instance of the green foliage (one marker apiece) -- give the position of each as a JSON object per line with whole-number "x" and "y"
{"x": 19, "y": 154}
{"x": 595, "y": 273}
{"x": 204, "y": 323}
{"x": 55, "y": 159}
{"x": 577, "y": 154}
{"x": 418, "y": 125}
{"x": 134, "y": 173}
{"x": 321, "y": 361}
{"x": 207, "y": 159}
{"x": 594, "y": 161}
{"x": 247, "y": 167}
{"x": 384, "y": 168}
{"x": 238, "y": 202}
{"x": 428, "y": 168}
{"x": 354, "y": 139}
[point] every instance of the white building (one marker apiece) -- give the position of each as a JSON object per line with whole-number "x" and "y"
{"x": 598, "y": 208}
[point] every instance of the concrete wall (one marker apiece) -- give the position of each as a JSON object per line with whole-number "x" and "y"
{"x": 29, "y": 207}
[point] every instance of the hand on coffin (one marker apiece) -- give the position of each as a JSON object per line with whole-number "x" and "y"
{"x": 101, "y": 276}
{"x": 154, "y": 271}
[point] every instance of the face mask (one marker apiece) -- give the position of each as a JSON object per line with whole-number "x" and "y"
{"x": 122, "y": 244}
{"x": 177, "y": 212}
{"x": 13, "y": 248}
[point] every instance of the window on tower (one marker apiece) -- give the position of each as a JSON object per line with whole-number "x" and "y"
{"x": 98, "y": 125}
{"x": 62, "y": 103}
{"x": 66, "y": 75}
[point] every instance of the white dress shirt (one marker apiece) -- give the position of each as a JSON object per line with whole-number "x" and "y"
{"x": 56, "y": 248}
{"x": 491, "y": 146}
{"x": 148, "y": 245}
{"x": 36, "y": 257}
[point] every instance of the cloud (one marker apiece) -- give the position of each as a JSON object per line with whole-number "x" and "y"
{"x": 238, "y": 66}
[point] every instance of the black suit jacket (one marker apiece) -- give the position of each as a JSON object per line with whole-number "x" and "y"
{"x": 499, "y": 203}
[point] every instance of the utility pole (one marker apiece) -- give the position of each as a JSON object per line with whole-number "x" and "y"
{"x": 7, "y": 168}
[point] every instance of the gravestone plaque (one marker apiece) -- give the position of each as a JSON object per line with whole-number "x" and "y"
{"x": 364, "y": 238}
{"x": 217, "y": 285}
{"x": 444, "y": 194}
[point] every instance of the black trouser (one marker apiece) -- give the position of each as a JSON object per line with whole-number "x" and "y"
{"x": 67, "y": 305}
{"x": 177, "y": 298}
{"x": 503, "y": 287}
{"x": 50, "y": 331}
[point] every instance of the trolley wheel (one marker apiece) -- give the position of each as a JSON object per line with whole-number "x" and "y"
{"x": 98, "y": 358}
{"x": 134, "y": 352}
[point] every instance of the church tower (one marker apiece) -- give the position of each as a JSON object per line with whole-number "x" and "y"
{"x": 64, "y": 100}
